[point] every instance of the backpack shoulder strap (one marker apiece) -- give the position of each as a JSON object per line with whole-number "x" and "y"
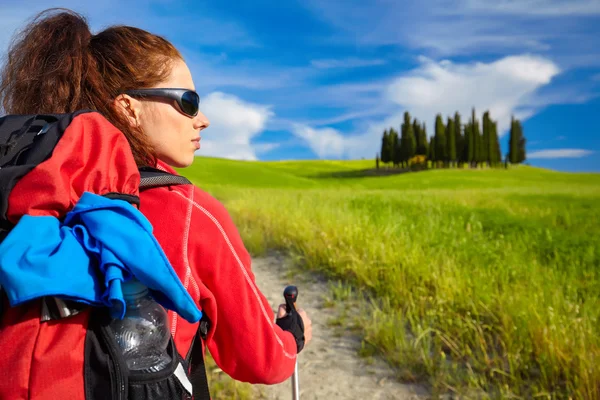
{"x": 153, "y": 177}
{"x": 197, "y": 366}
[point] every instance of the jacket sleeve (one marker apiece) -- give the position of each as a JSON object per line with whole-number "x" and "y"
{"x": 243, "y": 339}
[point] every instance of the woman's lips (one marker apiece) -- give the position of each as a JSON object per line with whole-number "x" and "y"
{"x": 197, "y": 142}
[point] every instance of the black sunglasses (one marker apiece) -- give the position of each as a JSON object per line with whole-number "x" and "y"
{"x": 188, "y": 100}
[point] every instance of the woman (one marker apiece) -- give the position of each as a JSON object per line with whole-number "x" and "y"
{"x": 58, "y": 66}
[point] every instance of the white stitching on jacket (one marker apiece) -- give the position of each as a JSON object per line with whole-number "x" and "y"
{"x": 186, "y": 282}
{"x": 188, "y": 273}
{"x": 241, "y": 265}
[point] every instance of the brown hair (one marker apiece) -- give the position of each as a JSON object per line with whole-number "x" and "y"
{"x": 56, "y": 65}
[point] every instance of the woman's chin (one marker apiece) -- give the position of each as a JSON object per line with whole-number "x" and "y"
{"x": 180, "y": 162}
{"x": 188, "y": 161}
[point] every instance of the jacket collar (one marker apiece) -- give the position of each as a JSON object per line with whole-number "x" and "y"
{"x": 165, "y": 167}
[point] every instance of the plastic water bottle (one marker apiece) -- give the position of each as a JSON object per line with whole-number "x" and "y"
{"x": 143, "y": 334}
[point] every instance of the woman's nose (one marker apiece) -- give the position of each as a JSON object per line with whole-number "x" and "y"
{"x": 200, "y": 121}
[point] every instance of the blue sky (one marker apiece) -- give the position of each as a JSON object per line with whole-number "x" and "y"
{"x": 323, "y": 79}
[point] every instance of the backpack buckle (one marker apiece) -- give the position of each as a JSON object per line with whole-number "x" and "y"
{"x": 204, "y": 326}
{"x": 44, "y": 129}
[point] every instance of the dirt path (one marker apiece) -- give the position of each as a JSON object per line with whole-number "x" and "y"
{"x": 329, "y": 368}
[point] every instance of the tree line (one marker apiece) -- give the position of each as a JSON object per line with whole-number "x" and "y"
{"x": 453, "y": 143}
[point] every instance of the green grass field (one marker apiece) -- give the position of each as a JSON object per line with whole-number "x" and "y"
{"x": 479, "y": 282}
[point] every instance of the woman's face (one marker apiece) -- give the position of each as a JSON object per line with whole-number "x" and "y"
{"x": 174, "y": 135}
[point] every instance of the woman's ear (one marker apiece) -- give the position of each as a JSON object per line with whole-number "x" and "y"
{"x": 130, "y": 108}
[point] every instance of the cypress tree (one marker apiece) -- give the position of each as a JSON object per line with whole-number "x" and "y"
{"x": 458, "y": 138}
{"x": 497, "y": 153}
{"x": 522, "y": 141}
{"x": 402, "y": 140}
{"x": 466, "y": 138}
{"x": 513, "y": 142}
{"x": 451, "y": 140}
{"x": 469, "y": 142}
{"x": 493, "y": 145}
{"x": 475, "y": 139}
{"x": 395, "y": 145}
{"x": 423, "y": 143}
{"x": 408, "y": 139}
{"x": 403, "y": 136}
{"x": 440, "y": 139}
{"x": 385, "y": 155}
{"x": 485, "y": 154}
{"x": 478, "y": 143}
{"x": 411, "y": 143}
{"x": 416, "y": 132}
{"x": 432, "y": 155}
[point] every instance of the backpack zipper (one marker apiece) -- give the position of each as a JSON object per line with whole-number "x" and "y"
{"x": 115, "y": 360}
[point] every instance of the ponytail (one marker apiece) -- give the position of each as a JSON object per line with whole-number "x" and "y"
{"x": 55, "y": 65}
{"x": 47, "y": 64}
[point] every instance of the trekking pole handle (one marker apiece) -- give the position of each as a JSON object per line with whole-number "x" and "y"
{"x": 291, "y": 295}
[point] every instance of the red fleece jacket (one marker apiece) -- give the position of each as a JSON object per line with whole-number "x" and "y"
{"x": 207, "y": 252}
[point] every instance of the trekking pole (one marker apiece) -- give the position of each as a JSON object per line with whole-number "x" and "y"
{"x": 291, "y": 295}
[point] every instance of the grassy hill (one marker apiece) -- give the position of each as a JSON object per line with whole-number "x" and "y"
{"x": 478, "y": 280}
{"x": 359, "y": 174}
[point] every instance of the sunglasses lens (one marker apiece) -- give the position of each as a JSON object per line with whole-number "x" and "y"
{"x": 190, "y": 103}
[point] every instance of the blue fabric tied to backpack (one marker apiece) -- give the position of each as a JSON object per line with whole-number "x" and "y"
{"x": 101, "y": 243}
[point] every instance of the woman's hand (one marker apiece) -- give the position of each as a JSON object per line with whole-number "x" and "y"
{"x": 281, "y": 312}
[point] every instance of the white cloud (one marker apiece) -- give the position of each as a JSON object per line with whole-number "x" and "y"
{"x": 333, "y": 144}
{"x": 233, "y": 124}
{"x": 326, "y": 142}
{"x": 468, "y": 27}
{"x": 503, "y": 87}
{"x": 535, "y": 7}
{"x": 350, "y": 62}
{"x": 265, "y": 147}
{"x": 352, "y": 115}
{"x": 559, "y": 153}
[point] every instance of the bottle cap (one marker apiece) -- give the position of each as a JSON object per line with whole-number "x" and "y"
{"x": 133, "y": 288}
